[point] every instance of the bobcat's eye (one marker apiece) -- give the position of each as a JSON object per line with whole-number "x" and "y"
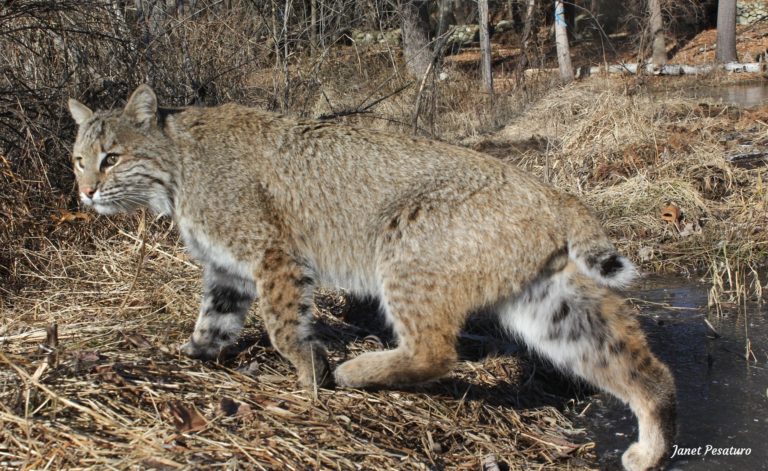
{"x": 109, "y": 160}
{"x": 79, "y": 163}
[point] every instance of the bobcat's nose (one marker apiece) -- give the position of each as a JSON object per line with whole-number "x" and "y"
{"x": 88, "y": 191}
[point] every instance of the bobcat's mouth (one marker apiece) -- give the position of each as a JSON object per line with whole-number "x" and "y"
{"x": 126, "y": 202}
{"x": 105, "y": 209}
{"x": 97, "y": 203}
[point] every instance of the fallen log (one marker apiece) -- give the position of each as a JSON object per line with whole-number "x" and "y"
{"x": 668, "y": 69}
{"x": 748, "y": 160}
{"x": 680, "y": 69}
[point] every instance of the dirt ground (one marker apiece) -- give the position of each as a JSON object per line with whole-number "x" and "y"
{"x": 751, "y": 45}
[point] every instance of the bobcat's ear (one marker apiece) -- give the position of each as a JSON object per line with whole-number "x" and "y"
{"x": 142, "y": 106}
{"x": 80, "y": 112}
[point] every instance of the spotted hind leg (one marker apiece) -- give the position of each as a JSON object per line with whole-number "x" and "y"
{"x": 589, "y": 331}
{"x": 426, "y": 327}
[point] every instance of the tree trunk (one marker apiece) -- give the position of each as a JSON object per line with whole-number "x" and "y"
{"x": 525, "y": 41}
{"x": 659, "y": 49}
{"x": 485, "y": 46}
{"x": 530, "y": 10}
{"x": 445, "y": 16}
{"x": 726, "y": 31}
{"x": 594, "y": 10}
{"x": 561, "y": 40}
{"x": 313, "y": 44}
{"x": 415, "y": 33}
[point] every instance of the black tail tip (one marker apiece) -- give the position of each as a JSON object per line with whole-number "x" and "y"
{"x": 611, "y": 265}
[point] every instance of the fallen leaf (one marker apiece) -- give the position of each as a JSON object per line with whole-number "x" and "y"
{"x": 672, "y": 214}
{"x": 87, "y": 356}
{"x": 66, "y": 216}
{"x": 230, "y": 407}
{"x": 108, "y": 373}
{"x": 137, "y": 340}
{"x": 185, "y": 418}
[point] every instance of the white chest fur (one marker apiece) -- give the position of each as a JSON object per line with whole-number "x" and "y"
{"x": 206, "y": 250}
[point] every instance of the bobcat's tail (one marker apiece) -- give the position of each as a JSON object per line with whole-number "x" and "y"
{"x": 594, "y": 254}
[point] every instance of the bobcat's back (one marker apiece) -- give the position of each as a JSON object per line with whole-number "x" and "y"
{"x": 336, "y": 189}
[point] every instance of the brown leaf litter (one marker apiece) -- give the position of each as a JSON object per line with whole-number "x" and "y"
{"x": 119, "y": 395}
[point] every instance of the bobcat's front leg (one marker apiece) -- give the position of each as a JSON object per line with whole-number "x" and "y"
{"x": 226, "y": 300}
{"x": 286, "y": 307}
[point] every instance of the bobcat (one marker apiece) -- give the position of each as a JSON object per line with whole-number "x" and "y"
{"x": 276, "y": 206}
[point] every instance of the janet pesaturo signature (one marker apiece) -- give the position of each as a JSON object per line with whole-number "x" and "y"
{"x": 709, "y": 450}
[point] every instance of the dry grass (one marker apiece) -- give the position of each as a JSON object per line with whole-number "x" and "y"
{"x": 630, "y": 151}
{"x": 111, "y": 392}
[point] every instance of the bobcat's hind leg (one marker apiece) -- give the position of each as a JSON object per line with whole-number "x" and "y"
{"x": 426, "y": 329}
{"x": 286, "y": 307}
{"x": 589, "y": 331}
{"x": 226, "y": 300}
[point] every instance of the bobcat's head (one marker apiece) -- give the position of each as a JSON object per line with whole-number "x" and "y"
{"x": 118, "y": 156}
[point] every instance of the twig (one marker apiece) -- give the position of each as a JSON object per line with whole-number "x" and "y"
{"x": 28, "y": 378}
{"x": 417, "y": 107}
{"x": 664, "y": 305}
{"x": 158, "y": 250}
{"x": 365, "y": 109}
{"x": 712, "y": 328}
{"x": 142, "y": 254}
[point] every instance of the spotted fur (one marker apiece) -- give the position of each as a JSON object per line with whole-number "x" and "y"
{"x": 276, "y": 206}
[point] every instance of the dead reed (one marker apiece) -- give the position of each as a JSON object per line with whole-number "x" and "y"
{"x": 108, "y": 389}
{"x": 635, "y": 153}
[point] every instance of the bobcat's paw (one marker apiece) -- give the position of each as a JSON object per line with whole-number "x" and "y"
{"x": 200, "y": 351}
{"x": 317, "y": 371}
{"x": 351, "y": 374}
{"x": 639, "y": 457}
